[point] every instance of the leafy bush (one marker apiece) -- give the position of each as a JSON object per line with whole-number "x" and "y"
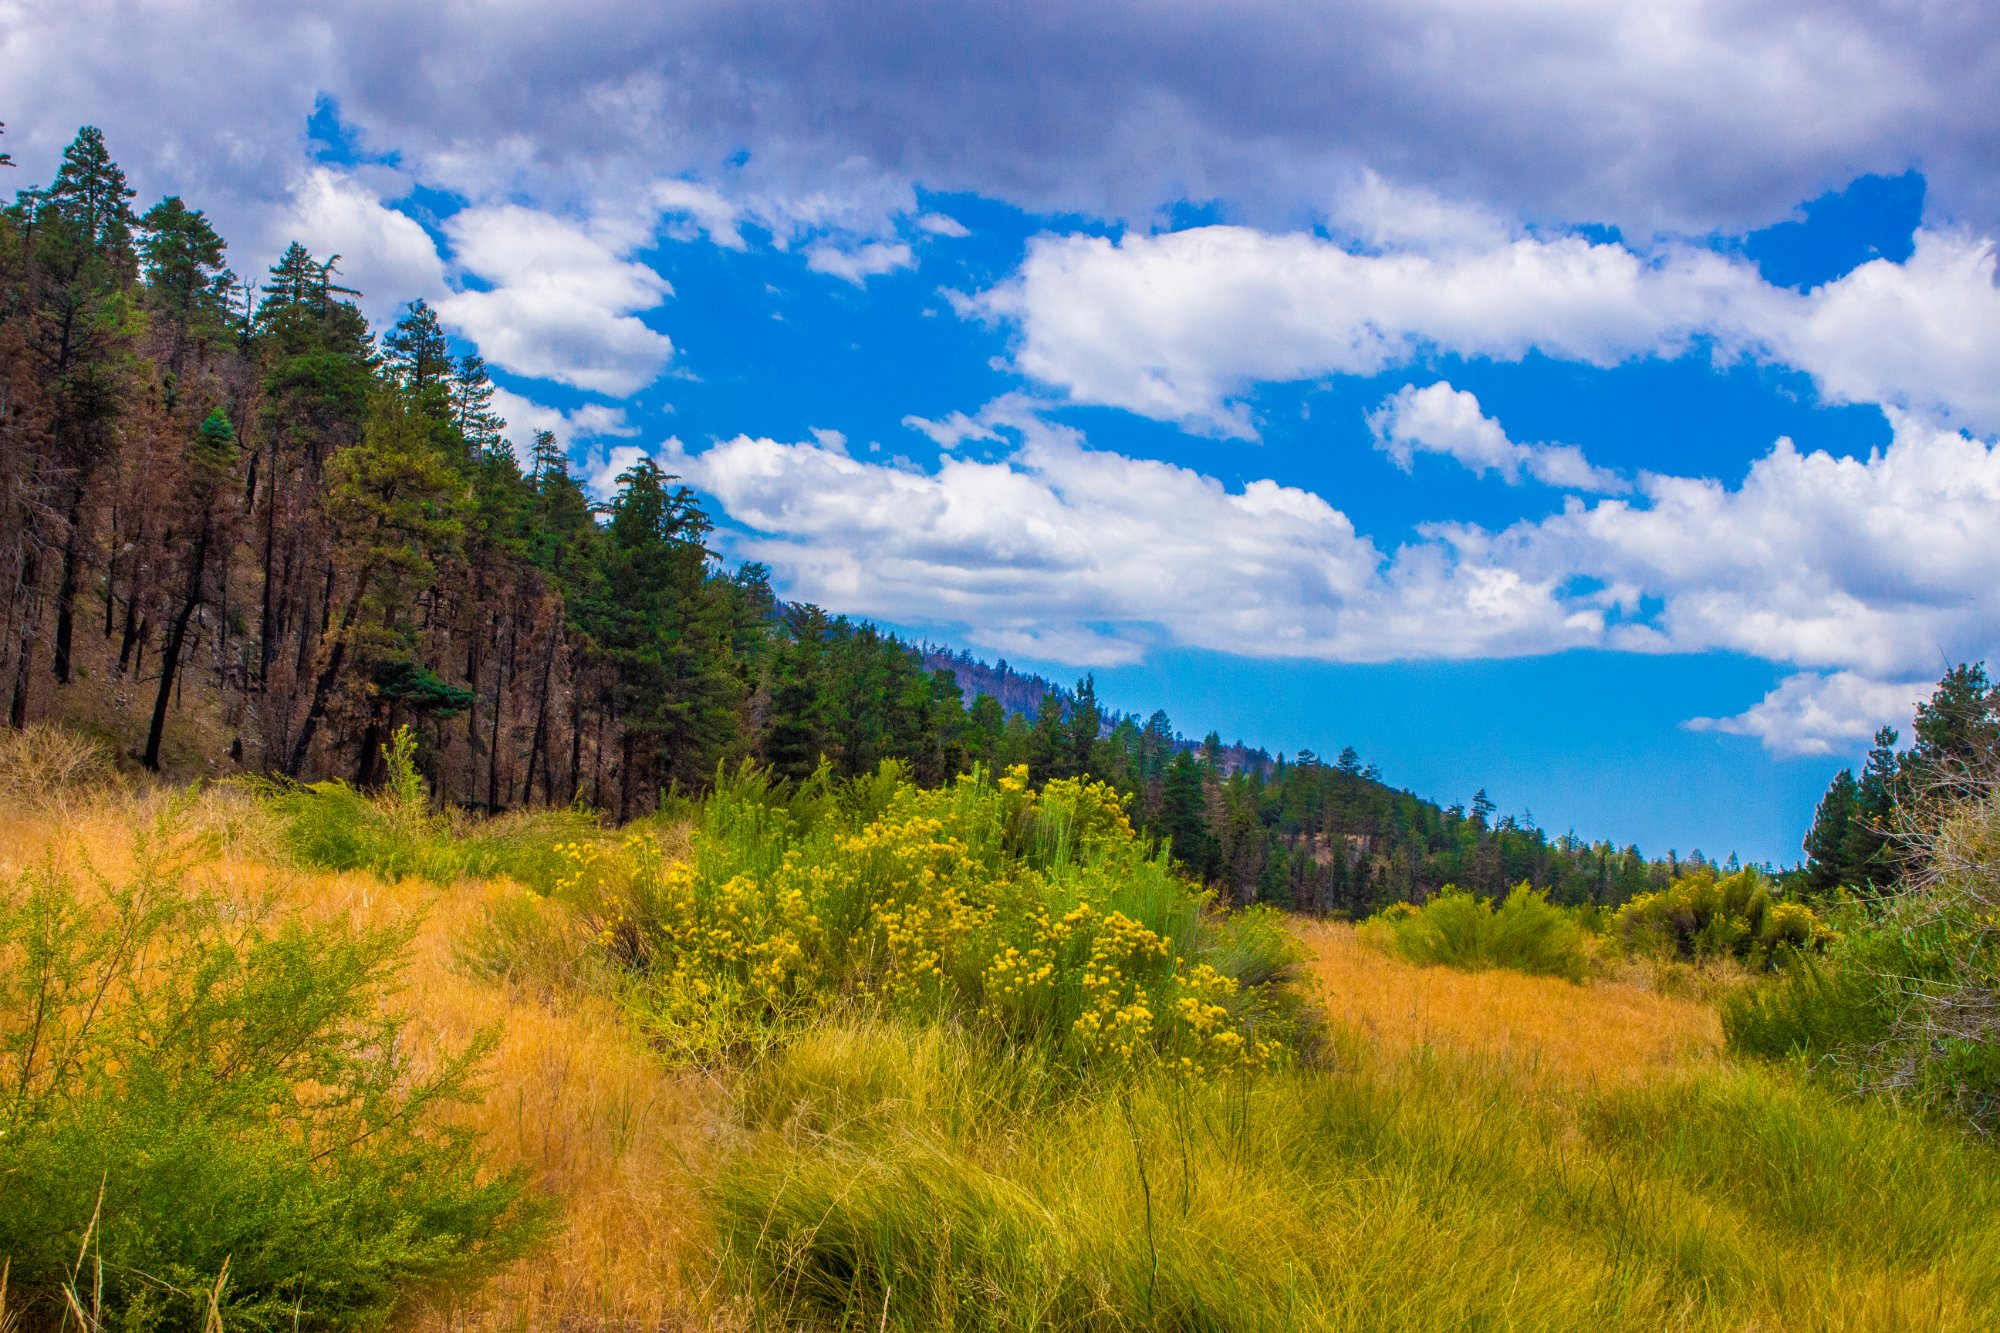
{"x": 1524, "y": 933}
{"x": 205, "y": 1102}
{"x": 1038, "y": 916}
{"x": 397, "y": 834}
{"x": 1907, "y": 998}
{"x": 1699, "y": 916}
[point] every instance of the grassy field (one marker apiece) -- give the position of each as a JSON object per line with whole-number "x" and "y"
{"x": 1459, "y": 1150}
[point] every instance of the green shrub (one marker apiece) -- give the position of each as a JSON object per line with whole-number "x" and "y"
{"x": 1700, "y": 916}
{"x": 1906, "y": 1000}
{"x": 191, "y": 1085}
{"x": 1524, "y": 933}
{"x": 1039, "y": 916}
{"x": 396, "y": 833}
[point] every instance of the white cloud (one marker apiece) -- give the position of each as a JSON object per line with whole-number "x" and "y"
{"x": 384, "y": 254}
{"x": 951, "y": 431}
{"x": 1868, "y": 569}
{"x": 1688, "y": 119}
{"x": 1181, "y": 326}
{"x": 857, "y": 264}
{"x": 591, "y": 421}
{"x": 702, "y": 205}
{"x": 1084, "y": 552}
{"x": 563, "y": 304}
{"x": 942, "y": 224}
{"x": 1810, "y": 714}
{"x": 1444, "y": 420}
{"x": 1875, "y": 565}
{"x": 1922, "y": 335}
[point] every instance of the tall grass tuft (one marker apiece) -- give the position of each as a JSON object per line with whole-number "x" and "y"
{"x": 396, "y": 833}
{"x": 1524, "y": 933}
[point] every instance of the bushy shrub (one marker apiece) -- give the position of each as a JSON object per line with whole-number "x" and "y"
{"x": 44, "y": 766}
{"x": 1907, "y": 998}
{"x": 1700, "y": 916}
{"x": 1524, "y": 933}
{"x": 397, "y": 834}
{"x": 192, "y": 1085}
{"x": 1036, "y": 915}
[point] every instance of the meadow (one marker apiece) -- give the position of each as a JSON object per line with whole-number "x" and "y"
{"x": 860, "y": 1056}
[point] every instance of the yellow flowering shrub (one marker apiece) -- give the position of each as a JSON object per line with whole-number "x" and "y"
{"x": 1037, "y": 915}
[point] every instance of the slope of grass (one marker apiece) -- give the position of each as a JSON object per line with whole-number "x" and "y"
{"x": 1471, "y": 1149}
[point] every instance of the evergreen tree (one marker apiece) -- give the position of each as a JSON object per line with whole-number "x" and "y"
{"x": 418, "y": 354}
{"x": 395, "y": 506}
{"x": 90, "y": 192}
{"x": 667, "y": 636}
{"x": 1050, "y": 751}
{"x": 471, "y": 397}
{"x": 1957, "y": 730}
{"x": 1827, "y": 842}
{"x": 210, "y": 462}
{"x": 1086, "y": 722}
{"x": 1184, "y": 815}
{"x": 1867, "y": 857}
{"x": 185, "y": 275}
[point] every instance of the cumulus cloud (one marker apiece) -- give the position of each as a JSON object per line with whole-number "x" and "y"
{"x": 1811, "y": 714}
{"x": 1091, "y": 553}
{"x": 1181, "y": 326}
{"x": 383, "y": 253}
{"x": 1178, "y": 326}
{"x": 562, "y": 304}
{"x": 1443, "y": 420}
{"x": 1875, "y": 565}
{"x": 705, "y": 209}
{"x": 1852, "y": 570}
{"x": 590, "y": 421}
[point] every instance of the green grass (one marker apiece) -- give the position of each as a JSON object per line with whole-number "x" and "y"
{"x": 914, "y": 1178}
{"x": 396, "y": 833}
{"x": 1525, "y": 932}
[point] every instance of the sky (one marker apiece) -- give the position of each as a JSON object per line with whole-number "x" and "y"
{"x": 1592, "y": 403}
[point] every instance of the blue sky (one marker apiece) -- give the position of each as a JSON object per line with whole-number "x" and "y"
{"x": 1597, "y": 413}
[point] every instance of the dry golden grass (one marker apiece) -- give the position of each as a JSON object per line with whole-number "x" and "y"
{"x": 625, "y": 1142}
{"x": 572, "y": 1091}
{"x": 1601, "y": 1031}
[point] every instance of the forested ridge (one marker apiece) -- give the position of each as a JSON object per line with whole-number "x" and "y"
{"x": 245, "y": 532}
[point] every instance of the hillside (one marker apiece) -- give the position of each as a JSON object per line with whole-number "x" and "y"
{"x": 1439, "y": 1149}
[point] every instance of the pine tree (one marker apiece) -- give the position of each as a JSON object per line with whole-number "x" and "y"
{"x": 1827, "y": 842}
{"x": 185, "y": 276}
{"x": 418, "y": 354}
{"x": 1086, "y": 722}
{"x": 90, "y": 191}
{"x": 394, "y": 504}
{"x": 471, "y": 397}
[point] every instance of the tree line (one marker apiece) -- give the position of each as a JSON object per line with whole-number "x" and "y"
{"x": 243, "y": 529}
